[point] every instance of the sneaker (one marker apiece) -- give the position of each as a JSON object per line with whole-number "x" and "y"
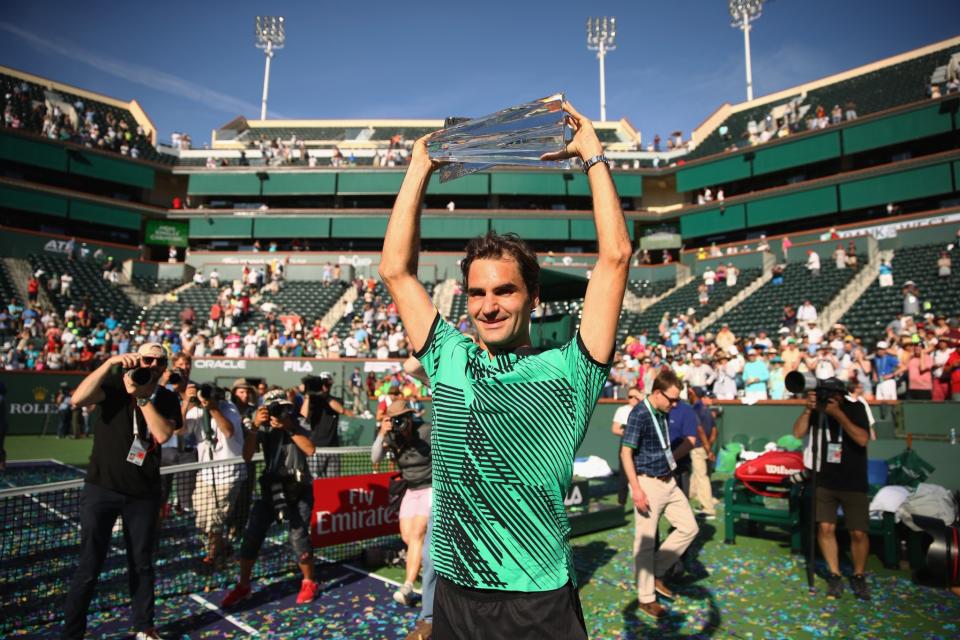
{"x": 148, "y": 634}
{"x": 654, "y": 610}
{"x": 858, "y": 584}
{"x": 423, "y": 631}
{"x": 663, "y": 590}
{"x": 404, "y": 595}
{"x": 834, "y": 586}
{"x": 308, "y": 591}
{"x": 238, "y": 593}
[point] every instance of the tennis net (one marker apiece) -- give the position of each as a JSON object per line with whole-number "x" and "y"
{"x": 40, "y": 536}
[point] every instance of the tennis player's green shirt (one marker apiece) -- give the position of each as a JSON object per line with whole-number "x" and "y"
{"x": 505, "y": 430}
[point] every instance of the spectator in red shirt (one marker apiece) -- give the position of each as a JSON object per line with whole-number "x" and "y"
{"x": 33, "y": 289}
{"x": 952, "y": 368}
{"x": 216, "y": 315}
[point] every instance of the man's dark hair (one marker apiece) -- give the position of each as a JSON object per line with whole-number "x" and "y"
{"x": 493, "y": 246}
{"x": 665, "y": 380}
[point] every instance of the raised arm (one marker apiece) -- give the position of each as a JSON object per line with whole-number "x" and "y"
{"x": 604, "y": 297}
{"x": 401, "y": 249}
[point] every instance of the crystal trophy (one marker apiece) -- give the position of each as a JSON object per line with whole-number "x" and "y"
{"x": 515, "y": 136}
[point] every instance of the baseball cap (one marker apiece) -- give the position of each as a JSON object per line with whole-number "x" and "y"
{"x": 883, "y": 345}
{"x": 154, "y": 349}
{"x": 276, "y": 395}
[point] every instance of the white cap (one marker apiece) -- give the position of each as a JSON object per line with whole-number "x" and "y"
{"x": 882, "y": 345}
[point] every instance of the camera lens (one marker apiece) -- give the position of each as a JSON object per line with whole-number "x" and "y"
{"x": 175, "y": 378}
{"x": 141, "y": 376}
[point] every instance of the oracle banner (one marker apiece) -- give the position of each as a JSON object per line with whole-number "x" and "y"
{"x": 351, "y": 508}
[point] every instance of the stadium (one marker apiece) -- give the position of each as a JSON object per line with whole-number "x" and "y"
{"x": 257, "y": 254}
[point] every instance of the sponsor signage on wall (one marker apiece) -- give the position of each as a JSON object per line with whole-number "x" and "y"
{"x": 167, "y": 232}
{"x": 351, "y": 508}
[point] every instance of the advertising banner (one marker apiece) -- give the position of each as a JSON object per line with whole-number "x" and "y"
{"x": 351, "y": 508}
{"x": 167, "y": 232}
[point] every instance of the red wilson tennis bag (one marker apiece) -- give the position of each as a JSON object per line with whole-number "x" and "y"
{"x": 771, "y": 468}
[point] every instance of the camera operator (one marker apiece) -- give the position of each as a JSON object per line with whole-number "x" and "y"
{"x": 322, "y": 412}
{"x": 841, "y": 478}
{"x": 286, "y": 492}
{"x": 217, "y": 427}
{"x": 136, "y": 416}
{"x": 408, "y": 439}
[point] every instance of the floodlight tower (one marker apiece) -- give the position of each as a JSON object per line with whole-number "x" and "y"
{"x": 743, "y": 12}
{"x": 601, "y": 33}
{"x": 271, "y": 34}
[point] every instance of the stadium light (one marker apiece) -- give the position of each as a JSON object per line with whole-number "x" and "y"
{"x": 743, "y": 13}
{"x": 271, "y": 35}
{"x": 601, "y": 33}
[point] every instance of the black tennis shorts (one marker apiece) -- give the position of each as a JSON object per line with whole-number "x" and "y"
{"x": 462, "y": 613}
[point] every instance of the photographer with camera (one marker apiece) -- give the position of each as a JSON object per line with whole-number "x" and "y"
{"x": 322, "y": 412}
{"x": 407, "y": 438}
{"x": 136, "y": 416}
{"x": 286, "y": 492}
{"x": 216, "y": 425}
{"x": 181, "y": 448}
{"x": 841, "y": 474}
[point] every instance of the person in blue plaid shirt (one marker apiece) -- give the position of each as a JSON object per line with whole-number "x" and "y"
{"x": 648, "y": 462}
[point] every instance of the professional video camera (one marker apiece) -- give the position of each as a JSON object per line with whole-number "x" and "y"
{"x": 316, "y": 384}
{"x": 802, "y": 383}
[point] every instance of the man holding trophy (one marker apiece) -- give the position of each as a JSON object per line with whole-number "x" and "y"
{"x": 507, "y": 419}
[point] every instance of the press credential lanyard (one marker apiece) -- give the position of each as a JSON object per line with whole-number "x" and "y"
{"x": 137, "y": 452}
{"x": 664, "y": 444}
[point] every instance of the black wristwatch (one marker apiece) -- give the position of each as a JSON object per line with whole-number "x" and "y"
{"x": 142, "y": 402}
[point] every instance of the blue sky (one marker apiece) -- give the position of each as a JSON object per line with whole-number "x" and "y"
{"x": 193, "y": 65}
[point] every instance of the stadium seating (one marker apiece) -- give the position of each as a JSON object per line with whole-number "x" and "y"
{"x": 8, "y": 290}
{"x": 878, "y": 306}
{"x": 380, "y": 296}
{"x": 308, "y": 299}
{"x": 763, "y": 310}
{"x": 650, "y": 288}
{"x": 679, "y": 302}
{"x": 153, "y": 285}
{"x": 102, "y": 114}
{"x": 875, "y": 91}
{"x": 199, "y": 298}
{"x": 88, "y": 287}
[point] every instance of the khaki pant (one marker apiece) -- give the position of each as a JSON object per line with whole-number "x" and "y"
{"x": 667, "y": 499}
{"x": 700, "y": 488}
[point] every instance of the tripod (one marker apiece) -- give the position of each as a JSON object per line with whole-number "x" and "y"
{"x": 815, "y": 435}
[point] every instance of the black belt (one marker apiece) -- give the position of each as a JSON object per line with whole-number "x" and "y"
{"x": 664, "y": 478}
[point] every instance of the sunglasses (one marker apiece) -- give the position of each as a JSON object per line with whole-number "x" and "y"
{"x": 149, "y": 360}
{"x": 633, "y": 398}
{"x": 672, "y": 401}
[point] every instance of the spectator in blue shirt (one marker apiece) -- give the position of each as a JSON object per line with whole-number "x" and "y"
{"x": 683, "y": 437}
{"x": 885, "y": 365}
{"x": 111, "y": 322}
{"x": 755, "y": 376}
